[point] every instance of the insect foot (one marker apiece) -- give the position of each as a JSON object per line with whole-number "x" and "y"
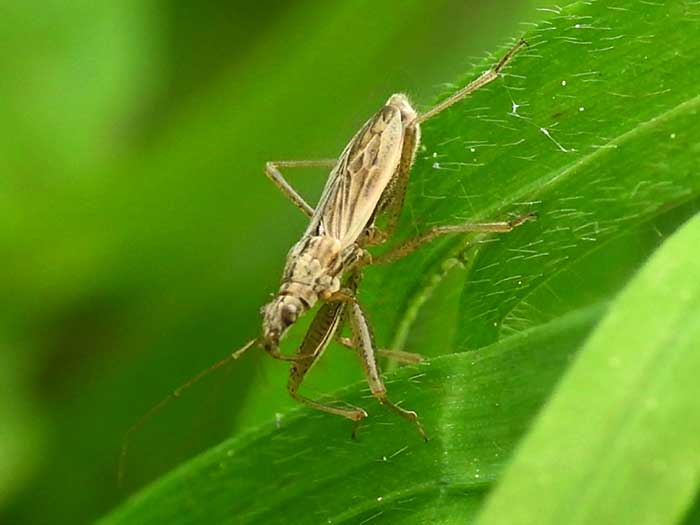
{"x": 408, "y": 415}
{"x": 522, "y": 219}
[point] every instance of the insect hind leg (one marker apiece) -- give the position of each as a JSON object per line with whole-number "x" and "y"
{"x": 486, "y": 77}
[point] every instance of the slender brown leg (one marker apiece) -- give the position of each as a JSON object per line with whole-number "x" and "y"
{"x": 274, "y": 174}
{"x": 397, "y": 355}
{"x": 485, "y": 78}
{"x": 364, "y": 346}
{"x": 413, "y": 244}
{"x": 320, "y": 333}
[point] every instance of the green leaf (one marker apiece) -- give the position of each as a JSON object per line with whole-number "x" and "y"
{"x": 618, "y": 441}
{"x": 308, "y": 470}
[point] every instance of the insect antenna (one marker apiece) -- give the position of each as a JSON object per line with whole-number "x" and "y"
{"x": 167, "y": 399}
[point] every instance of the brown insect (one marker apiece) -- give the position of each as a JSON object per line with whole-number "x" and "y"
{"x": 367, "y": 181}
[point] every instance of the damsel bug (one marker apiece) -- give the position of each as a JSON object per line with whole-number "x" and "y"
{"x": 367, "y": 181}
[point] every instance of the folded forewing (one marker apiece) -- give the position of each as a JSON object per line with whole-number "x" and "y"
{"x": 362, "y": 174}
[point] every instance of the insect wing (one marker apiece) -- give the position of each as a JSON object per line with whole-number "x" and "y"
{"x": 363, "y": 172}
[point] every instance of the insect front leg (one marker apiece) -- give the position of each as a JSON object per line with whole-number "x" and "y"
{"x": 362, "y": 341}
{"x": 413, "y": 244}
{"x": 320, "y": 333}
{"x": 275, "y": 175}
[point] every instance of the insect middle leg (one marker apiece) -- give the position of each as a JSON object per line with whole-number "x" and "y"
{"x": 319, "y": 335}
{"x": 275, "y": 175}
{"x": 413, "y": 244}
{"x": 364, "y": 346}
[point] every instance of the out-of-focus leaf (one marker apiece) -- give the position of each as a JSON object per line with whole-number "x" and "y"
{"x": 20, "y": 432}
{"x": 71, "y": 76}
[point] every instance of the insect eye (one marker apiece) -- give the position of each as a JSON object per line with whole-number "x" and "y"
{"x": 289, "y": 314}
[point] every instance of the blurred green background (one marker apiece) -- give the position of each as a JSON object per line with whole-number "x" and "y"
{"x": 138, "y": 236}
